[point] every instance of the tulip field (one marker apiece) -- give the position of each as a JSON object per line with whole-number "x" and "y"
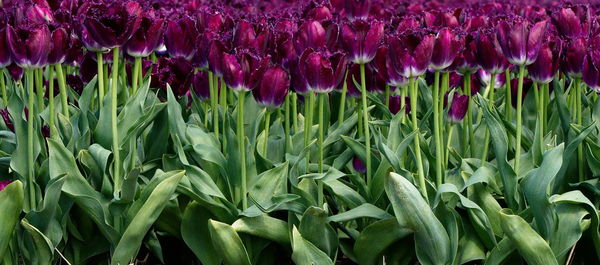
{"x": 309, "y": 132}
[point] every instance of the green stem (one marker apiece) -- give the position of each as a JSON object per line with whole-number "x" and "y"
{"x": 223, "y": 95}
{"x": 322, "y": 98}
{"x": 134, "y": 75}
{"x": 309, "y": 124}
{"x": 579, "y": 108}
{"x": 436, "y": 128}
{"x": 3, "y": 88}
{"x": 100, "y": 65}
{"x": 62, "y": 86}
{"x": 508, "y": 97}
{"x": 387, "y": 96}
{"x": 30, "y": 128}
{"x": 448, "y": 145}
{"x": 286, "y": 121}
{"x": 295, "y": 111}
{"x": 366, "y": 121}
{"x": 242, "y": 148}
{"x": 403, "y": 93}
{"x": 267, "y": 124}
{"x": 51, "y": 100}
{"x": 39, "y": 84}
{"x": 519, "y": 119}
{"x": 415, "y": 124}
{"x": 215, "y": 105}
{"x": 343, "y": 101}
{"x": 486, "y": 141}
{"x": 470, "y": 114}
{"x": 113, "y": 112}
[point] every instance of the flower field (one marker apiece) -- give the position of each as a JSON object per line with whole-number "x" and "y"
{"x": 313, "y": 132}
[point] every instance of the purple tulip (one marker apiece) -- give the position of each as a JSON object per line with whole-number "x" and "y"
{"x": 7, "y": 119}
{"x": 521, "y": 43}
{"x": 5, "y": 58}
{"x": 29, "y": 44}
{"x": 148, "y": 36}
{"x": 89, "y": 43}
{"x": 357, "y": 9}
{"x": 111, "y": 24}
{"x": 381, "y": 64}
{"x": 242, "y": 71}
{"x": 215, "y": 57}
{"x": 458, "y": 109}
{"x": 59, "y": 46}
{"x": 527, "y": 84}
{"x": 180, "y": 37}
{"x": 244, "y": 35}
{"x": 410, "y": 54}
{"x": 395, "y": 102}
{"x": 74, "y": 53}
{"x": 570, "y": 24}
{"x": 312, "y": 35}
{"x": 486, "y": 77}
{"x": 176, "y": 72}
{"x": 466, "y": 61}
{"x": 489, "y": 55}
{"x": 546, "y": 65}
{"x": 591, "y": 75}
{"x": 322, "y": 71}
{"x": 361, "y": 40}
{"x": 4, "y": 183}
{"x": 359, "y": 165}
{"x": 75, "y": 82}
{"x": 574, "y": 57}
{"x": 371, "y": 81}
{"x": 273, "y": 88}
{"x": 440, "y": 19}
{"x": 16, "y": 72}
{"x": 201, "y": 85}
{"x": 447, "y": 46}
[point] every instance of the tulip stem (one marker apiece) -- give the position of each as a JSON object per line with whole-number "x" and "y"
{"x": 39, "y": 84}
{"x": 519, "y": 119}
{"x": 578, "y": 105}
{"x": 134, "y": 75}
{"x": 322, "y": 97}
{"x": 308, "y": 123}
{"x": 241, "y": 146}
{"x": 286, "y": 122}
{"x": 51, "y": 100}
{"x": 214, "y": 101}
{"x": 295, "y": 111}
{"x": 113, "y": 112}
{"x": 403, "y": 106}
{"x": 343, "y": 101}
{"x": 366, "y": 121}
{"x": 62, "y": 86}
{"x": 3, "y": 87}
{"x": 30, "y": 123}
{"x": 448, "y": 145}
{"x": 223, "y": 95}
{"x": 486, "y": 141}
{"x": 267, "y": 123}
{"x": 539, "y": 101}
{"x": 470, "y": 114}
{"x": 100, "y": 78}
{"x": 508, "y": 97}
{"x": 415, "y": 124}
{"x": 436, "y": 128}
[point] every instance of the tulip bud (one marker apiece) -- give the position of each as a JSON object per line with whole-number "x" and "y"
{"x": 458, "y": 109}
{"x": 519, "y": 42}
{"x": 357, "y": 9}
{"x": 411, "y": 53}
{"x": 489, "y": 55}
{"x": 361, "y": 39}
{"x": 358, "y": 165}
{"x": 180, "y": 38}
{"x": 29, "y": 45}
{"x": 7, "y": 119}
{"x": 447, "y": 46}
{"x": 273, "y": 88}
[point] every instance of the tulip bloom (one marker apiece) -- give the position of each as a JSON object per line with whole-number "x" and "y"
{"x": 148, "y": 36}
{"x": 411, "y": 54}
{"x": 111, "y": 24}
{"x": 574, "y": 57}
{"x": 322, "y": 71}
{"x": 173, "y": 71}
{"x": 180, "y": 37}
{"x": 310, "y": 35}
{"x": 357, "y": 9}
{"x": 447, "y": 46}
{"x": 361, "y": 39}
{"x": 200, "y": 83}
{"x": 5, "y": 58}
{"x": 7, "y": 119}
{"x": 273, "y": 88}
{"x": 359, "y": 165}
{"x": 571, "y": 25}
{"x": 4, "y": 183}
{"x": 395, "y": 104}
{"x": 29, "y": 45}
{"x": 489, "y": 55}
{"x": 243, "y": 70}
{"x": 458, "y": 109}
{"x": 546, "y": 65}
{"x": 521, "y": 43}
{"x": 60, "y": 42}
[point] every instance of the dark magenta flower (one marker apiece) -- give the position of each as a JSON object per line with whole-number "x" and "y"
{"x": 440, "y": 19}
{"x": 29, "y": 44}
{"x": 395, "y": 104}
{"x": 180, "y": 38}
{"x": 527, "y": 84}
{"x": 322, "y": 71}
{"x": 381, "y": 66}
{"x": 16, "y": 72}
{"x": 312, "y": 35}
{"x": 252, "y": 36}
{"x": 358, "y": 165}
{"x": 273, "y": 88}
{"x": 111, "y": 24}
{"x": 59, "y": 46}
{"x": 89, "y": 43}
{"x": 371, "y": 81}
{"x": 574, "y": 57}
{"x": 489, "y": 54}
{"x": 410, "y": 54}
{"x": 148, "y": 36}
{"x": 176, "y": 72}
{"x": 466, "y": 61}
{"x": 4, "y": 183}
{"x": 447, "y": 46}
{"x": 521, "y": 42}
{"x": 215, "y": 56}
{"x": 545, "y": 66}
{"x": 242, "y": 71}
{"x": 486, "y": 78}
{"x": 357, "y": 9}
{"x": 7, "y": 119}
{"x": 571, "y": 24}
{"x": 75, "y": 82}
{"x": 361, "y": 40}
{"x": 458, "y": 109}
{"x": 201, "y": 85}
{"x": 5, "y": 58}
{"x": 591, "y": 75}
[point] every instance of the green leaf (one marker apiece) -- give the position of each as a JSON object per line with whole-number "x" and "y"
{"x": 305, "y": 253}
{"x": 228, "y": 244}
{"x": 131, "y": 240}
{"x": 270, "y": 183}
{"x": 314, "y": 228}
{"x": 11, "y": 203}
{"x": 431, "y": 239}
{"x": 532, "y": 247}
{"x": 195, "y": 234}
{"x": 44, "y": 251}
{"x": 365, "y": 210}
{"x": 264, "y": 226}
{"x": 376, "y": 238}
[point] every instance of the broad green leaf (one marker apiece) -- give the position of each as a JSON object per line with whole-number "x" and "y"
{"x": 264, "y": 226}
{"x": 365, "y": 210}
{"x": 195, "y": 234}
{"x": 11, "y": 203}
{"x": 227, "y": 244}
{"x": 431, "y": 239}
{"x": 376, "y": 238}
{"x": 270, "y": 183}
{"x": 131, "y": 240}
{"x": 500, "y": 252}
{"x": 44, "y": 251}
{"x": 305, "y": 253}
{"x": 532, "y": 247}
{"x": 314, "y": 228}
